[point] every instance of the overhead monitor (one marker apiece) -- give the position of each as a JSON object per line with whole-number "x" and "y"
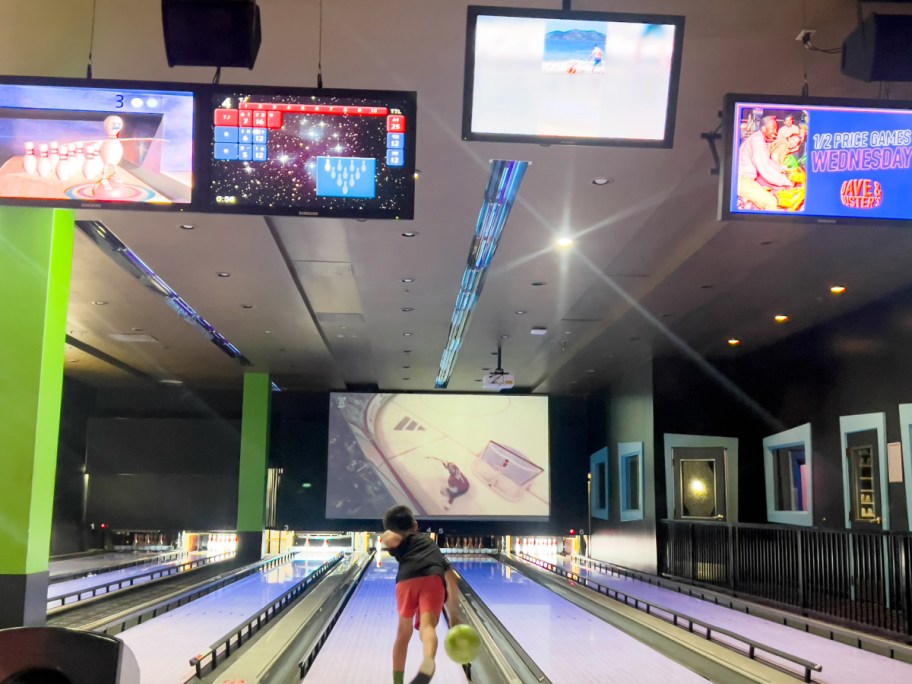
{"x": 447, "y": 456}
{"x": 579, "y": 78}
{"x": 311, "y": 152}
{"x": 84, "y": 143}
{"x": 821, "y": 160}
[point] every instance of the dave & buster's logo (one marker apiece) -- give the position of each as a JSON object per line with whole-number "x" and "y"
{"x": 861, "y": 193}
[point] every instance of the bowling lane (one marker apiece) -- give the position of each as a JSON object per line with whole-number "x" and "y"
{"x": 68, "y": 566}
{"x": 58, "y": 589}
{"x": 163, "y": 646}
{"x": 842, "y": 664}
{"x": 570, "y": 645}
{"x": 359, "y": 649}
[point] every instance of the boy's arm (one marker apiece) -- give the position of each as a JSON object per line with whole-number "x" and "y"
{"x": 452, "y": 604}
{"x": 391, "y": 539}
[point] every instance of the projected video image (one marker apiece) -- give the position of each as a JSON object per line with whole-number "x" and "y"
{"x": 571, "y": 79}
{"x": 95, "y": 145}
{"x": 445, "y": 456}
{"x": 313, "y": 155}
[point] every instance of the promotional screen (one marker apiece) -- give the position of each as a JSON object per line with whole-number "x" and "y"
{"x": 313, "y": 153}
{"x": 586, "y": 81}
{"x": 821, "y": 161}
{"x": 443, "y": 455}
{"x": 93, "y": 145}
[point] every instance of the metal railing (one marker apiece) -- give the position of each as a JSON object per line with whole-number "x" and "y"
{"x": 222, "y": 647}
{"x": 136, "y": 615}
{"x": 312, "y": 651}
{"x": 859, "y": 578}
{"x": 679, "y": 619}
{"x": 72, "y": 598}
{"x": 146, "y": 560}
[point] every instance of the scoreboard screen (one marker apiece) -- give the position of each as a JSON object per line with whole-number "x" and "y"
{"x": 311, "y": 152}
{"x": 81, "y": 143}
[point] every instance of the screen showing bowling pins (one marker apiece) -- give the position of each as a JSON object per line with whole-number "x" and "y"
{"x": 448, "y": 456}
{"x": 306, "y": 152}
{"x": 92, "y": 145}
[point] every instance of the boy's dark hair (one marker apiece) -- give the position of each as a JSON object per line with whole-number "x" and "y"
{"x": 399, "y": 519}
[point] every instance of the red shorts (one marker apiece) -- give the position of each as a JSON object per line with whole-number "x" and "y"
{"x": 420, "y": 595}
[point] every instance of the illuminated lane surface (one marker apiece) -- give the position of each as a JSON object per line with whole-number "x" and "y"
{"x": 68, "y": 566}
{"x": 359, "y": 649}
{"x": 841, "y": 662}
{"x": 58, "y": 589}
{"x": 570, "y": 645}
{"x": 163, "y": 646}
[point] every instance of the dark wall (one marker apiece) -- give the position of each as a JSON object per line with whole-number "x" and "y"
{"x": 856, "y": 364}
{"x": 299, "y": 442}
{"x": 67, "y": 532}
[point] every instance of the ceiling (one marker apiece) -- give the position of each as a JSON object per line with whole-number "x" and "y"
{"x": 652, "y": 269}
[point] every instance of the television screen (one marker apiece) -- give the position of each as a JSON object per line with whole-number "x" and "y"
{"x": 443, "y": 455}
{"x": 68, "y": 142}
{"x": 312, "y": 152}
{"x": 582, "y": 78}
{"x": 817, "y": 159}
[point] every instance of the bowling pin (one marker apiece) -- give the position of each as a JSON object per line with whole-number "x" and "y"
{"x": 112, "y": 148}
{"x": 54, "y": 155}
{"x": 79, "y": 156}
{"x": 93, "y": 166}
{"x": 30, "y": 161}
{"x": 63, "y": 166}
{"x": 44, "y": 167}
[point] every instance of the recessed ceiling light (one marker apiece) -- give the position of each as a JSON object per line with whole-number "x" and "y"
{"x": 137, "y": 329}
{"x": 406, "y": 334}
{"x": 838, "y": 289}
{"x": 267, "y": 332}
{"x": 539, "y": 283}
{"x": 187, "y": 226}
{"x": 408, "y": 280}
{"x": 505, "y": 337}
{"x": 409, "y": 233}
{"x": 406, "y": 309}
{"x": 590, "y": 370}
{"x": 406, "y": 367}
{"x": 734, "y": 342}
{"x": 406, "y": 351}
{"x": 223, "y": 274}
{"x": 539, "y": 330}
{"x": 520, "y": 312}
{"x": 246, "y": 306}
{"x": 100, "y": 302}
{"x": 564, "y": 242}
{"x": 602, "y": 180}
{"x": 780, "y": 318}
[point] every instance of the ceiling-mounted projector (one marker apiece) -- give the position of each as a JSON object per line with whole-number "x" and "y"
{"x": 497, "y": 380}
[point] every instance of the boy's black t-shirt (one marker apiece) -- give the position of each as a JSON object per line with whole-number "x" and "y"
{"x": 419, "y": 556}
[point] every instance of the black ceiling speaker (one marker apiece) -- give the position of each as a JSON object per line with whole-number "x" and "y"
{"x": 878, "y": 50}
{"x": 216, "y": 33}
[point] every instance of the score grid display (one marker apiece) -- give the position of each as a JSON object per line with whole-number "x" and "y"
{"x": 322, "y": 154}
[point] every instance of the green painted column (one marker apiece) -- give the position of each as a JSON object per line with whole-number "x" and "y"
{"x": 251, "y": 512}
{"x": 36, "y": 258}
